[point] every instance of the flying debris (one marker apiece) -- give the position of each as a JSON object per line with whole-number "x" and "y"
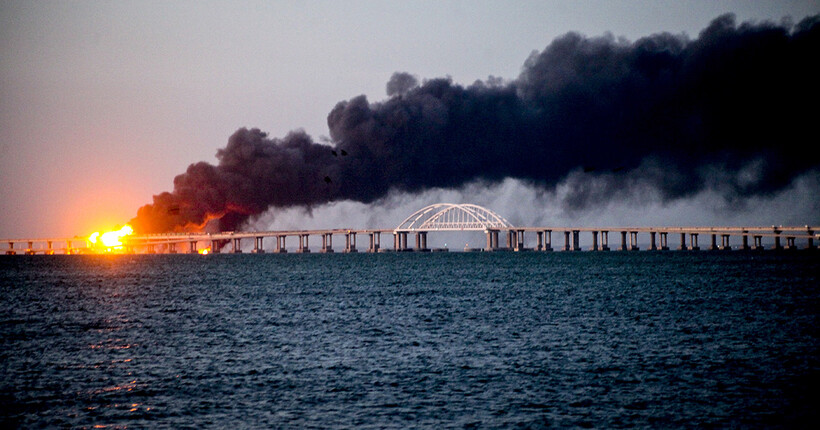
{"x": 722, "y": 112}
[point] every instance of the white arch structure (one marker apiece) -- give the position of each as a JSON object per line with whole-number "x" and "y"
{"x": 453, "y": 217}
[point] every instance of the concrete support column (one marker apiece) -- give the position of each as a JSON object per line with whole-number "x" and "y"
{"x": 304, "y": 244}
{"x": 378, "y": 243}
{"x": 604, "y": 240}
{"x": 758, "y": 243}
{"x": 327, "y": 243}
{"x": 713, "y": 246}
{"x": 652, "y": 246}
{"x": 664, "y": 241}
{"x": 350, "y": 242}
{"x": 777, "y": 245}
{"x": 566, "y": 241}
{"x": 258, "y": 247}
{"x": 547, "y": 240}
{"x": 633, "y": 241}
{"x": 810, "y": 241}
{"x": 576, "y": 242}
{"x": 172, "y": 248}
{"x": 540, "y": 241}
{"x": 10, "y": 251}
{"x": 594, "y": 241}
{"x": 790, "y": 243}
{"x": 192, "y": 247}
{"x": 214, "y": 247}
{"x": 403, "y": 241}
{"x": 745, "y": 241}
{"x": 281, "y": 245}
{"x": 373, "y": 242}
{"x": 237, "y": 245}
{"x": 693, "y": 242}
{"x": 492, "y": 240}
{"x": 519, "y": 243}
{"x": 682, "y": 246}
{"x": 724, "y": 242}
{"x": 623, "y": 241}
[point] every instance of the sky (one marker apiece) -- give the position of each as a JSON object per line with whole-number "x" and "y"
{"x": 103, "y": 103}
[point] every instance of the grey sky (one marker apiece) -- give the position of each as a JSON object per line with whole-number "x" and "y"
{"x": 103, "y": 103}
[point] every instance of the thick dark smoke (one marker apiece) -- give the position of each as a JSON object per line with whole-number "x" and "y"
{"x": 732, "y": 111}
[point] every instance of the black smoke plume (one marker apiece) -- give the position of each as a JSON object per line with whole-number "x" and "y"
{"x": 733, "y": 110}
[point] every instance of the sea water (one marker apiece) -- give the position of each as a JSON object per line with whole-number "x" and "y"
{"x": 437, "y": 340}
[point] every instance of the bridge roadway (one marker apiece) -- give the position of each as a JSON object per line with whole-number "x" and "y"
{"x": 231, "y": 241}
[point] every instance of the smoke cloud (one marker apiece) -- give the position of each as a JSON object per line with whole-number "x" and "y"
{"x": 728, "y": 112}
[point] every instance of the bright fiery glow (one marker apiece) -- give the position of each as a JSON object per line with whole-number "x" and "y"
{"x": 110, "y": 239}
{"x": 205, "y": 251}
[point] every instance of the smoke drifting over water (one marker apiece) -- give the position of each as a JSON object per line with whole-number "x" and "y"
{"x": 728, "y": 112}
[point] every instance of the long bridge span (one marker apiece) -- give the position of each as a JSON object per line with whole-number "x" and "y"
{"x": 436, "y": 218}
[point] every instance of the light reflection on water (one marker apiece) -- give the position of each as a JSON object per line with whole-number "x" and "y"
{"x": 436, "y": 340}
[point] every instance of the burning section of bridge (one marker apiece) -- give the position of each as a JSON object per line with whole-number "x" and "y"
{"x": 109, "y": 241}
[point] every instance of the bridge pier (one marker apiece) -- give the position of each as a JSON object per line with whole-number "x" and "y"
{"x": 724, "y": 243}
{"x": 810, "y": 242}
{"x": 421, "y": 241}
{"x": 258, "y": 248}
{"x": 566, "y": 240}
{"x": 594, "y": 241}
{"x": 519, "y": 240}
{"x": 237, "y": 245}
{"x": 492, "y": 240}
{"x": 745, "y": 241}
{"x": 605, "y": 240}
{"x": 576, "y": 240}
{"x": 777, "y": 245}
{"x": 375, "y": 239}
{"x": 758, "y": 243}
{"x": 623, "y": 241}
{"x": 304, "y": 247}
{"x": 633, "y": 241}
{"x": 652, "y": 246}
{"x": 350, "y": 242}
{"x": 192, "y": 247}
{"x": 172, "y": 248}
{"x": 280, "y": 245}
{"x": 790, "y": 243}
{"x": 327, "y": 243}
{"x": 215, "y": 247}
{"x": 693, "y": 242}
{"x": 664, "y": 241}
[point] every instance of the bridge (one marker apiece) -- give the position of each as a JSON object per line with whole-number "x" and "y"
{"x": 434, "y": 218}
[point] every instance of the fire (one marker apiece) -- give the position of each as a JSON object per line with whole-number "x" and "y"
{"x": 205, "y": 251}
{"x": 110, "y": 239}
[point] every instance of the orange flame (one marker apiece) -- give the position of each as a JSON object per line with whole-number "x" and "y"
{"x": 205, "y": 251}
{"x": 110, "y": 239}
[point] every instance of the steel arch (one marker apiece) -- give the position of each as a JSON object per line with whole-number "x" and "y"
{"x": 453, "y": 217}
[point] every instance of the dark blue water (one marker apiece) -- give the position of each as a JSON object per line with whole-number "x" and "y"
{"x": 478, "y": 340}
